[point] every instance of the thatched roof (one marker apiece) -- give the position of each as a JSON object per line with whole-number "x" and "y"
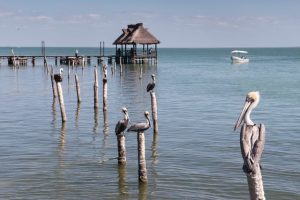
{"x": 136, "y": 34}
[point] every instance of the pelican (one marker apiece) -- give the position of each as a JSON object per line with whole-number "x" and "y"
{"x": 142, "y": 126}
{"x": 122, "y": 124}
{"x": 252, "y": 137}
{"x": 58, "y": 77}
{"x": 151, "y": 85}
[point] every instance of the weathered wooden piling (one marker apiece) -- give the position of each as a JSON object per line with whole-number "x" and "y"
{"x": 154, "y": 112}
{"x": 53, "y": 83}
{"x": 121, "y": 148}
{"x": 252, "y": 166}
{"x": 104, "y": 94}
{"x": 58, "y": 80}
{"x": 77, "y": 89}
{"x": 96, "y": 104}
{"x": 142, "y": 158}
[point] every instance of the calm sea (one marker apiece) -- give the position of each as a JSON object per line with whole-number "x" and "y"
{"x": 196, "y": 156}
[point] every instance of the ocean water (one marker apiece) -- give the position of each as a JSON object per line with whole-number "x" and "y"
{"x": 196, "y": 154}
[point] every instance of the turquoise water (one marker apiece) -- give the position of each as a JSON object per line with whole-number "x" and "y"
{"x": 196, "y": 156}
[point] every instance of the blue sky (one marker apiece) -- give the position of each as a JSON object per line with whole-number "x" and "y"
{"x": 176, "y": 23}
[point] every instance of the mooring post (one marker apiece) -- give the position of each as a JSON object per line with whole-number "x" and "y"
{"x": 77, "y": 89}
{"x": 58, "y": 80}
{"x": 154, "y": 112}
{"x": 142, "y": 158}
{"x": 104, "y": 87}
{"x": 53, "y": 83}
{"x": 121, "y": 149}
{"x": 104, "y": 94}
{"x": 96, "y": 104}
{"x": 252, "y": 162}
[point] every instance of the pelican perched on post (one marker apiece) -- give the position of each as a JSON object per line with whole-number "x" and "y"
{"x": 142, "y": 126}
{"x": 58, "y": 77}
{"x": 252, "y": 137}
{"x": 151, "y": 85}
{"x": 122, "y": 124}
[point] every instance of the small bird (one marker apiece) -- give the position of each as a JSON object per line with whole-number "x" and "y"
{"x": 58, "y": 77}
{"x": 151, "y": 85}
{"x": 122, "y": 124}
{"x": 142, "y": 126}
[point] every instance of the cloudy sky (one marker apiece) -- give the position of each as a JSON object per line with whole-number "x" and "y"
{"x": 176, "y": 23}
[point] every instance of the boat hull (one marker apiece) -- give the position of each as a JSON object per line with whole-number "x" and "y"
{"x": 236, "y": 59}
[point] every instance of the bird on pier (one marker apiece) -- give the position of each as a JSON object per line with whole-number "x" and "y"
{"x": 142, "y": 126}
{"x": 58, "y": 77}
{"x": 122, "y": 124}
{"x": 252, "y": 137}
{"x": 151, "y": 85}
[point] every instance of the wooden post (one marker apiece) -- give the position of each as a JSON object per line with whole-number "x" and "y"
{"x": 53, "y": 83}
{"x": 77, "y": 89}
{"x": 154, "y": 112}
{"x": 141, "y": 157}
{"x": 96, "y": 104}
{"x": 104, "y": 94}
{"x": 121, "y": 149}
{"x": 61, "y": 98}
{"x": 252, "y": 162}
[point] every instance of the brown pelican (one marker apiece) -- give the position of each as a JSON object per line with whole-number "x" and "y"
{"x": 151, "y": 85}
{"x": 142, "y": 126}
{"x": 58, "y": 77}
{"x": 252, "y": 137}
{"x": 122, "y": 124}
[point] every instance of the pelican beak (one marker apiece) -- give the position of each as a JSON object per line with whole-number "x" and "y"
{"x": 242, "y": 115}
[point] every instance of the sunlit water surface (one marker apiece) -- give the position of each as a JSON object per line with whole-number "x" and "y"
{"x": 196, "y": 155}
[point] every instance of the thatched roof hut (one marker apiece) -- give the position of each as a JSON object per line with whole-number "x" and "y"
{"x": 136, "y": 34}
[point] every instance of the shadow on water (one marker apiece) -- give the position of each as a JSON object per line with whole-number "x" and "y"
{"x": 77, "y": 114}
{"x": 61, "y": 144}
{"x": 122, "y": 183}
{"x": 154, "y": 148}
{"x": 96, "y": 122}
{"x": 105, "y": 129}
{"x": 143, "y": 191}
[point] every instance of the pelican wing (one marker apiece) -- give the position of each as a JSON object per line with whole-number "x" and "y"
{"x": 138, "y": 127}
{"x": 121, "y": 126}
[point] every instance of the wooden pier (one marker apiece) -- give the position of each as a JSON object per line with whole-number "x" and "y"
{"x": 62, "y": 60}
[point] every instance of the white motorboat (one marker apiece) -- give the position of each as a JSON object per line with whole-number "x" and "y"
{"x": 238, "y": 56}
